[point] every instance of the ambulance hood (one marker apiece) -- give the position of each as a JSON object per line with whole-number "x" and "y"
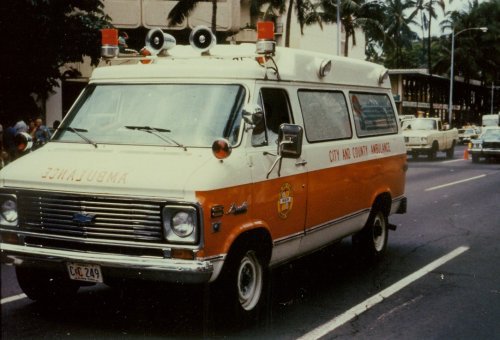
{"x": 115, "y": 170}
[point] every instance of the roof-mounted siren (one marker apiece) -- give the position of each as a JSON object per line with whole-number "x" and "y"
{"x": 159, "y": 42}
{"x": 202, "y": 39}
{"x": 109, "y": 43}
{"x": 265, "y": 37}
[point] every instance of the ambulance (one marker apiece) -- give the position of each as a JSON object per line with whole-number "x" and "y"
{"x": 205, "y": 164}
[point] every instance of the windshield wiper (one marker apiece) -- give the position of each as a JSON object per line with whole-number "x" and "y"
{"x": 77, "y": 132}
{"x": 157, "y": 133}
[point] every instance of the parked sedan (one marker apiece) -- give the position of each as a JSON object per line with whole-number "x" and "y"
{"x": 487, "y": 145}
{"x": 466, "y": 135}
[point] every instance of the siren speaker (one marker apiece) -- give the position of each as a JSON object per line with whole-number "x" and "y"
{"x": 157, "y": 41}
{"x": 202, "y": 38}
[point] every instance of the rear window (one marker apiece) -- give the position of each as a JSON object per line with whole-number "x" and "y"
{"x": 373, "y": 114}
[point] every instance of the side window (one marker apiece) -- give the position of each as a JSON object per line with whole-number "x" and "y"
{"x": 373, "y": 114}
{"x": 276, "y": 112}
{"x": 325, "y": 115}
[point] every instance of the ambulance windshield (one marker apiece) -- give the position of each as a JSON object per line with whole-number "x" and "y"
{"x": 193, "y": 114}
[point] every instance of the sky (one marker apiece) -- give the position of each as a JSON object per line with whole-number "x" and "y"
{"x": 454, "y": 5}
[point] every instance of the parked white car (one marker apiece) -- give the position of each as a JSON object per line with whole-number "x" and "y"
{"x": 427, "y": 136}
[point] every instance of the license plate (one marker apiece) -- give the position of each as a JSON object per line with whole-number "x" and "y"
{"x": 84, "y": 272}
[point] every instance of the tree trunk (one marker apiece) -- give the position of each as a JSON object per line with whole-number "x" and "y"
{"x": 346, "y": 43}
{"x": 288, "y": 24}
{"x": 214, "y": 17}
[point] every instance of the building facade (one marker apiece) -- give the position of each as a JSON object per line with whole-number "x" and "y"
{"x": 418, "y": 93}
{"x": 234, "y": 24}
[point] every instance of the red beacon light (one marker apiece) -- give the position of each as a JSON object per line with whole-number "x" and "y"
{"x": 221, "y": 149}
{"x": 265, "y": 37}
{"x": 109, "y": 41}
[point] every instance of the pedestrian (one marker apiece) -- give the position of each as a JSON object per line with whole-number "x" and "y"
{"x": 41, "y": 134}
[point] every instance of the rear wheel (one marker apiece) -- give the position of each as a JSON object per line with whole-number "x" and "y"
{"x": 372, "y": 239}
{"x": 450, "y": 153}
{"x": 42, "y": 285}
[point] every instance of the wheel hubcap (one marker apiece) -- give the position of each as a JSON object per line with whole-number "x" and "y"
{"x": 379, "y": 231}
{"x": 249, "y": 281}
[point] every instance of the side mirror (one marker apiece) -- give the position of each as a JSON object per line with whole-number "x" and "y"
{"x": 290, "y": 141}
{"x": 253, "y": 114}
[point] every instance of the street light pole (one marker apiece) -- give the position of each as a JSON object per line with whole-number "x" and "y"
{"x": 338, "y": 27}
{"x": 453, "y": 35}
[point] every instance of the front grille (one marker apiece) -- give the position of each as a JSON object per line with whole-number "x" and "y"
{"x": 491, "y": 145}
{"x": 93, "y": 217}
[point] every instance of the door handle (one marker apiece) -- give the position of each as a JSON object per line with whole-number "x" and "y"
{"x": 302, "y": 162}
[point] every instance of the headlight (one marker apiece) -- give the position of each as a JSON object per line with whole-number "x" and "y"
{"x": 8, "y": 210}
{"x": 180, "y": 224}
{"x": 423, "y": 140}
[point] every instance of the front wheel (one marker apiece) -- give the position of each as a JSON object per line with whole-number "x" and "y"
{"x": 433, "y": 151}
{"x": 372, "y": 239}
{"x": 46, "y": 286}
{"x": 239, "y": 291}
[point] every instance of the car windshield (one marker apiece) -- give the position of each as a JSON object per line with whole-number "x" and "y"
{"x": 155, "y": 114}
{"x": 492, "y": 134}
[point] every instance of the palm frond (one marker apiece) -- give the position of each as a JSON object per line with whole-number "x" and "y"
{"x": 181, "y": 11}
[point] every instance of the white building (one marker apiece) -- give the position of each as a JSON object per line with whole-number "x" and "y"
{"x": 233, "y": 16}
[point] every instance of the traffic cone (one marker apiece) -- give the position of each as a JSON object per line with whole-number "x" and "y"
{"x": 466, "y": 153}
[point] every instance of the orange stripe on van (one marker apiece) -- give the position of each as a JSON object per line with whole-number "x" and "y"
{"x": 318, "y": 197}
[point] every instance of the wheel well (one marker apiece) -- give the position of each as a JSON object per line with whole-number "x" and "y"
{"x": 383, "y": 203}
{"x": 259, "y": 237}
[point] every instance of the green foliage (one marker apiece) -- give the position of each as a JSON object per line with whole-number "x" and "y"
{"x": 40, "y": 36}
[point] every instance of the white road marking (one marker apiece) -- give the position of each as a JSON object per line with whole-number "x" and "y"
{"x": 375, "y": 299}
{"x": 453, "y": 183}
{"x": 453, "y": 161}
{"x": 13, "y": 298}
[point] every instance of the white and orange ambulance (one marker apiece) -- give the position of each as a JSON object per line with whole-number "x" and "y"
{"x": 205, "y": 165}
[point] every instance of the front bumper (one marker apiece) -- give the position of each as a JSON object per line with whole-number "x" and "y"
{"x": 112, "y": 265}
{"x": 418, "y": 148}
{"x": 485, "y": 152}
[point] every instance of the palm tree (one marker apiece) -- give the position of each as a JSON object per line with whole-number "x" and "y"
{"x": 307, "y": 14}
{"x": 397, "y": 29}
{"x": 354, "y": 14}
{"x": 428, "y": 10}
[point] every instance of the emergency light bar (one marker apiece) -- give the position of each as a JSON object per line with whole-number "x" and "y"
{"x": 109, "y": 43}
{"x": 265, "y": 38}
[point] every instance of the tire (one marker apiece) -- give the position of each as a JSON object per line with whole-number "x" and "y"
{"x": 475, "y": 158}
{"x": 240, "y": 290}
{"x": 45, "y": 286}
{"x": 371, "y": 241}
{"x": 414, "y": 155}
{"x": 433, "y": 150}
{"x": 450, "y": 153}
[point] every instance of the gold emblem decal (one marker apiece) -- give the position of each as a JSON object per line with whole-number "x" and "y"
{"x": 285, "y": 200}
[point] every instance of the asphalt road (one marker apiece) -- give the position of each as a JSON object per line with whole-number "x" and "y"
{"x": 439, "y": 280}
